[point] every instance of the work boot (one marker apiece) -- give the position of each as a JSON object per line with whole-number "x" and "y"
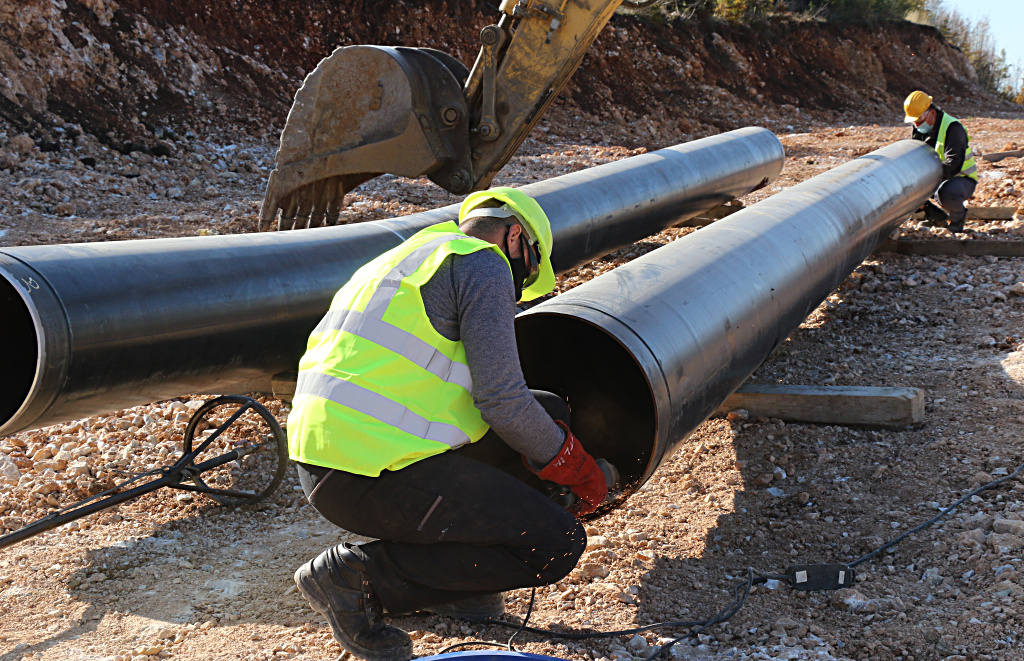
{"x": 336, "y": 585}
{"x": 956, "y": 222}
{"x": 474, "y": 609}
{"x": 934, "y": 215}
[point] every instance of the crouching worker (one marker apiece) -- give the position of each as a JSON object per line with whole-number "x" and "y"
{"x": 409, "y": 386}
{"x": 948, "y": 137}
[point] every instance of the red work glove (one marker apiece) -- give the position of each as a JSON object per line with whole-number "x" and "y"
{"x": 574, "y": 468}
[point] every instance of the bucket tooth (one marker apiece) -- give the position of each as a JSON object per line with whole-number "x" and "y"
{"x": 289, "y": 207}
{"x": 335, "y": 197}
{"x": 364, "y": 111}
{"x": 320, "y": 201}
{"x": 305, "y": 196}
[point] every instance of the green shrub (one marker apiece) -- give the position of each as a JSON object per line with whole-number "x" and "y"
{"x": 866, "y": 11}
{"x": 744, "y": 11}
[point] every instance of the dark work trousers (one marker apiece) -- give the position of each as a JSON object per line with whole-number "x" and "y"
{"x": 952, "y": 193}
{"x": 456, "y": 525}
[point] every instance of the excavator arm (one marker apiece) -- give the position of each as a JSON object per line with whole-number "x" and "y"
{"x": 369, "y": 110}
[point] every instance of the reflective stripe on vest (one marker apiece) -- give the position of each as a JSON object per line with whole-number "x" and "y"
{"x": 969, "y": 168}
{"x": 969, "y": 158}
{"x": 369, "y": 325}
{"x": 401, "y": 342}
{"x": 388, "y": 287}
{"x": 379, "y": 407}
{"x": 379, "y": 388}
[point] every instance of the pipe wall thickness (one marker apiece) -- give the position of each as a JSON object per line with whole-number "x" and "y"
{"x": 96, "y": 327}
{"x": 647, "y": 352}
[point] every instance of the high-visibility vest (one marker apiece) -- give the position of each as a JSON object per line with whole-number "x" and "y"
{"x": 379, "y": 388}
{"x": 970, "y": 168}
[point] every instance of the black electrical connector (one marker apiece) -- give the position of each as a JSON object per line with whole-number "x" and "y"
{"x": 812, "y": 578}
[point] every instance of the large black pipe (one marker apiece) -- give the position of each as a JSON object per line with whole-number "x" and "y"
{"x": 91, "y": 328}
{"x": 647, "y": 352}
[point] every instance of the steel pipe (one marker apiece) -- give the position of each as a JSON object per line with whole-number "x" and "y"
{"x": 90, "y": 328}
{"x": 647, "y": 352}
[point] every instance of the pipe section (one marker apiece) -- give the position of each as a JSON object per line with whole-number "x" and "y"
{"x": 90, "y": 328}
{"x": 647, "y": 352}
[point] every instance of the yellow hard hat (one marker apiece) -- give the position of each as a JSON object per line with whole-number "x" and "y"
{"x": 916, "y": 105}
{"x": 537, "y": 227}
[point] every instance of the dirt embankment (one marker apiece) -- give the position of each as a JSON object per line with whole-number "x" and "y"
{"x": 141, "y": 74}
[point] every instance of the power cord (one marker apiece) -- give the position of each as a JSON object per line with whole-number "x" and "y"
{"x": 818, "y": 577}
{"x": 739, "y": 599}
{"x": 508, "y": 645}
{"x": 941, "y": 515}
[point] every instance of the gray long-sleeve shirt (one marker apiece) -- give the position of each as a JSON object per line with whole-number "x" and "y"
{"x": 471, "y": 298}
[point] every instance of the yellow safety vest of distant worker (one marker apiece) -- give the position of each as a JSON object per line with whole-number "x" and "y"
{"x": 378, "y": 387}
{"x": 970, "y": 168}
{"x": 916, "y": 105}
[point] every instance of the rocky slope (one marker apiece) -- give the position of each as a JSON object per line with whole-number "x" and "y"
{"x": 141, "y": 74}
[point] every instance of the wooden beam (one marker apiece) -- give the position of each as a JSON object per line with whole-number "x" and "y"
{"x": 833, "y": 405}
{"x": 970, "y": 247}
{"x": 980, "y": 213}
{"x": 1000, "y": 155}
{"x": 991, "y": 213}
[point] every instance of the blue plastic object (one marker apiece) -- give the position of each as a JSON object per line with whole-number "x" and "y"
{"x": 490, "y": 655}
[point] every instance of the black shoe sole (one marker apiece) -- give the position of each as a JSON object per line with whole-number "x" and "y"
{"x": 318, "y": 601}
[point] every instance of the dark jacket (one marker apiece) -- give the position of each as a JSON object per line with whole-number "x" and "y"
{"x": 956, "y": 144}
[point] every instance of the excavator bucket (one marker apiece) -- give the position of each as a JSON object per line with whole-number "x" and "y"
{"x": 364, "y": 111}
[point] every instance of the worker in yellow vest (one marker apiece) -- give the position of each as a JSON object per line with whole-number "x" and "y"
{"x": 409, "y": 389}
{"x": 949, "y": 138}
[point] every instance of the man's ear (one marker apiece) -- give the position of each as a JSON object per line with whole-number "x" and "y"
{"x": 512, "y": 244}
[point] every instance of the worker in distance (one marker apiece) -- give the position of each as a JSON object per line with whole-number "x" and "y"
{"x": 944, "y": 133}
{"x": 408, "y": 386}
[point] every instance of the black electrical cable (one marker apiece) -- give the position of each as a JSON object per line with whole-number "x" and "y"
{"x": 941, "y": 515}
{"x": 529, "y": 611}
{"x": 697, "y": 627}
{"x": 723, "y": 615}
{"x": 753, "y": 578}
{"x": 507, "y": 645}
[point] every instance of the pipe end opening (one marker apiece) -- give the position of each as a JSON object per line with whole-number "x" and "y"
{"x": 19, "y": 342}
{"x": 613, "y": 409}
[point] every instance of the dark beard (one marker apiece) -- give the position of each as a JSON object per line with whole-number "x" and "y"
{"x": 519, "y": 274}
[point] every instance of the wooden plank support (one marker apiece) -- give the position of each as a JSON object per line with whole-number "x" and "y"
{"x": 995, "y": 157}
{"x": 980, "y": 213}
{"x": 833, "y": 405}
{"x": 970, "y": 247}
{"x": 991, "y": 213}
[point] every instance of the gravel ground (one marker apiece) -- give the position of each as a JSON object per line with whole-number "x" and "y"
{"x": 171, "y": 575}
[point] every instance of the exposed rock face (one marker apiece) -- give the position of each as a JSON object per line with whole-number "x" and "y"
{"x": 110, "y": 71}
{"x": 134, "y": 72}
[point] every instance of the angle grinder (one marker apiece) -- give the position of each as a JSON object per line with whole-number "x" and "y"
{"x": 566, "y": 498}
